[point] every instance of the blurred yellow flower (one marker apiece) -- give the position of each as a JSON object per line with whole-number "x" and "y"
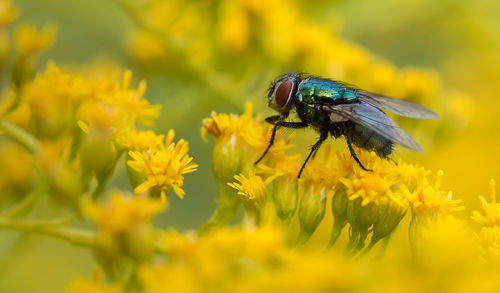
{"x": 8, "y": 12}
{"x": 146, "y": 46}
{"x": 16, "y": 169}
{"x": 244, "y": 259}
{"x": 116, "y": 107}
{"x": 141, "y": 141}
{"x": 233, "y": 25}
{"x": 30, "y": 41}
{"x": 490, "y": 213}
{"x": 121, "y": 212}
{"x": 489, "y": 241}
{"x": 429, "y": 201}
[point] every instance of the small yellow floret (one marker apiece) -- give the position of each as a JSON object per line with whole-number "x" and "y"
{"x": 163, "y": 166}
{"x": 251, "y": 188}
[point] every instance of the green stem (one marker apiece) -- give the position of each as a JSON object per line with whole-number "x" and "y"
{"x": 27, "y": 202}
{"x": 229, "y": 204}
{"x": 102, "y": 179}
{"x": 20, "y": 135}
{"x": 51, "y": 228}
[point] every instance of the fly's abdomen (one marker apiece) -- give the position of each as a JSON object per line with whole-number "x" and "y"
{"x": 365, "y": 138}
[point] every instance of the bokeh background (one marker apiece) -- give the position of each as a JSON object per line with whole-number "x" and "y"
{"x": 231, "y": 55}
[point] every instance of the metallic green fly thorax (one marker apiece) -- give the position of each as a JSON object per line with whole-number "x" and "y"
{"x": 314, "y": 91}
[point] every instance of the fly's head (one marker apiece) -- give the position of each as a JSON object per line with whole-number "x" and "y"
{"x": 281, "y": 92}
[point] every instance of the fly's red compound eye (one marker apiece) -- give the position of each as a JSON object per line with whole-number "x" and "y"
{"x": 283, "y": 93}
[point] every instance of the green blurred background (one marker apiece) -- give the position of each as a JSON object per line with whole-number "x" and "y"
{"x": 458, "y": 39}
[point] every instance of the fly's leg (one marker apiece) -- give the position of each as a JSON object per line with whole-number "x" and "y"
{"x": 351, "y": 149}
{"x": 276, "y": 126}
{"x": 314, "y": 149}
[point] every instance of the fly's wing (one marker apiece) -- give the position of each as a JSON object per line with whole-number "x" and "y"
{"x": 400, "y": 107}
{"x": 374, "y": 119}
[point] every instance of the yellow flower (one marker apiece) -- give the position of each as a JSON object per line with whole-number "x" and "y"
{"x": 122, "y": 211}
{"x": 233, "y": 26}
{"x": 16, "y": 169}
{"x": 371, "y": 187}
{"x": 319, "y": 180}
{"x": 115, "y": 107}
{"x": 141, "y": 141}
{"x": 324, "y": 170}
{"x": 163, "y": 166}
{"x": 53, "y": 98}
{"x": 7, "y": 12}
{"x": 64, "y": 179}
{"x": 375, "y": 202}
{"x": 489, "y": 219}
{"x": 428, "y": 201}
{"x": 124, "y": 226}
{"x": 30, "y": 41}
{"x": 445, "y": 244}
{"x": 285, "y": 189}
{"x": 411, "y": 175}
{"x": 252, "y": 191}
{"x": 239, "y": 142}
{"x": 130, "y": 102}
{"x": 251, "y": 188}
{"x": 489, "y": 241}
{"x": 418, "y": 84}
{"x": 146, "y": 46}
{"x": 490, "y": 213}
{"x": 428, "y": 204}
{"x": 244, "y": 259}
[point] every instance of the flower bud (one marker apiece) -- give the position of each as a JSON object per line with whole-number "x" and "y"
{"x": 139, "y": 243}
{"x": 285, "y": 197}
{"x": 339, "y": 210}
{"x": 388, "y": 218}
{"x": 97, "y": 153}
{"x": 65, "y": 186}
{"x": 311, "y": 209}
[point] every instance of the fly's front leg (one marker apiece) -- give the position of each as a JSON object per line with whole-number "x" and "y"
{"x": 314, "y": 149}
{"x": 273, "y": 135}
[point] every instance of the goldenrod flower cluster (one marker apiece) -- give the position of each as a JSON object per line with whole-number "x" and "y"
{"x": 66, "y": 136}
